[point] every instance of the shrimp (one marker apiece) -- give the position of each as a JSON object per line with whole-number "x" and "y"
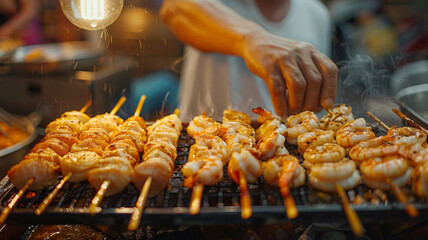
{"x": 118, "y": 170}
{"x": 283, "y": 169}
{"x": 44, "y": 172}
{"x": 406, "y": 136}
{"x": 206, "y": 171}
{"x": 200, "y": 123}
{"x": 329, "y": 152}
{"x": 334, "y": 171}
{"x": 209, "y": 146}
{"x": 314, "y": 138}
{"x": 376, "y": 147}
{"x": 416, "y": 153}
{"x": 230, "y": 115}
{"x": 346, "y": 183}
{"x": 245, "y": 162}
{"x": 264, "y": 115}
{"x": 353, "y": 133}
{"x": 386, "y": 167}
{"x": 171, "y": 121}
{"x": 271, "y": 145}
{"x": 399, "y": 181}
{"x": 79, "y": 163}
{"x": 336, "y": 118}
{"x": 420, "y": 180}
{"x": 299, "y": 124}
{"x": 82, "y": 117}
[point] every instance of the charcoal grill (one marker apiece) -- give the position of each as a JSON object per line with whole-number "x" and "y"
{"x": 220, "y": 203}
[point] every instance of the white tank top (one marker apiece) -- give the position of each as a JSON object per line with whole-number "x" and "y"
{"x": 212, "y": 82}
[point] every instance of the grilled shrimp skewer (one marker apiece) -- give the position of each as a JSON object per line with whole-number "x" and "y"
{"x": 113, "y": 172}
{"x": 386, "y": 166}
{"x": 40, "y": 167}
{"x": 160, "y": 153}
{"x": 279, "y": 168}
{"x": 243, "y": 165}
{"x": 207, "y": 157}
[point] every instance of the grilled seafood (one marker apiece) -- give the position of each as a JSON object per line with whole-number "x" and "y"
{"x": 105, "y": 121}
{"x": 376, "y": 147}
{"x": 240, "y": 139}
{"x": 206, "y": 159}
{"x": 285, "y": 169}
{"x": 119, "y": 157}
{"x": 353, "y": 133}
{"x": 324, "y": 176}
{"x": 417, "y": 154}
{"x": 209, "y": 146}
{"x": 329, "y": 152}
{"x": 199, "y": 123}
{"x": 271, "y": 145}
{"x": 230, "y": 115}
{"x": 159, "y": 155}
{"x": 79, "y": 163}
{"x": 337, "y": 118}
{"x": 376, "y": 170}
{"x": 314, "y": 138}
{"x": 420, "y": 180}
{"x": 406, "y": 136}
{"x": 42, "y": 162}
{"x": 246, "y": 162}
{"x": 386, "y": 167}
{"x": 299, "y": 124}
{"x": 82, "y": 117}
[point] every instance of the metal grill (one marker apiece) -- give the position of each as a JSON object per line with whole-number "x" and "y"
{"x": 220, "y": 203}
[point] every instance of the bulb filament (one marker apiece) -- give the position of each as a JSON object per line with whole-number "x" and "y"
{"x": 92, "y": 9}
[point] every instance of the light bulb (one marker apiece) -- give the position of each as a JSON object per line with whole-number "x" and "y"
{"x": 91, "y": 14}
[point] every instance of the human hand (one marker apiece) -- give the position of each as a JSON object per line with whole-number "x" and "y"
{"x": 309, "y": 75}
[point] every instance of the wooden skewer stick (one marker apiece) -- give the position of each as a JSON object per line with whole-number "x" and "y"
{"x": 42, "y": 207}
{"x": 96, "y": 201}
{"x": 118, "y": 105}
{"x": 195, "y": 202}
{"x": 140, "y": 105}
{"x": 177, "y": 111}
{"x": 86, "y": 106}
{"x": 15, "y": 199}
{"x": 246, "y": 209}
{"x": 134, "y": 223}
{"x": 407, "y": 119}
{"x": 354, "y": 220}
{"x": 376, "y": 119}
{"x": 410, "y": 209}
{"x": 135, "y": 220}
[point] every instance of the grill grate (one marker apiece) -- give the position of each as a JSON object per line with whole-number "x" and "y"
{"x": 220, "y": 203}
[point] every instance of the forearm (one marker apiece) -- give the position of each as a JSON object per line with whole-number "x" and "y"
{"x": 208, "y": 25}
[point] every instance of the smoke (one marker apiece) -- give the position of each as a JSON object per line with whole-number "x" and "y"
{"x": 363, "y": 85}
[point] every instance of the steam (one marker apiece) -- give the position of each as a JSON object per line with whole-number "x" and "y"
{"x": 363, "y": 85}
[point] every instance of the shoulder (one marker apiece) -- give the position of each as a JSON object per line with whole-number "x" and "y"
{"x": 315, "y": 8}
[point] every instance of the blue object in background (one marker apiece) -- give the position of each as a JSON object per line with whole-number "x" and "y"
{"x": 161, "y": 90}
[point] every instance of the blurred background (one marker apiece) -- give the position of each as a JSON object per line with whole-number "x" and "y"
{"x": 380, "y": 47}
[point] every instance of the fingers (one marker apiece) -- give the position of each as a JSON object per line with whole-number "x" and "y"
{"x": 278, "y": 92}
{"x": 295, "y": 83}
{"x": 314, "y": 82}
{"x": 328, "y": 71}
